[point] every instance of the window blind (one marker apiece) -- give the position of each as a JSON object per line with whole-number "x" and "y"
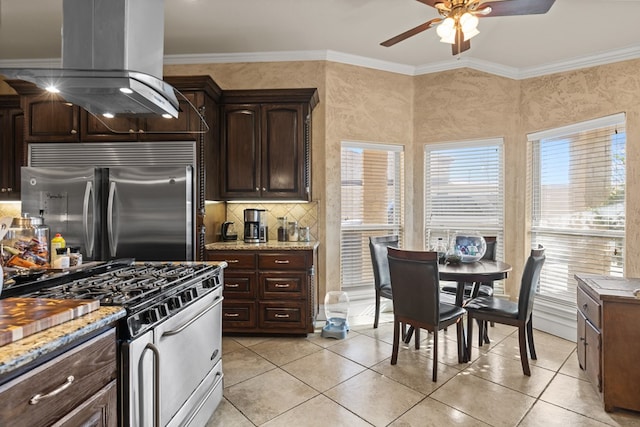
{"x": 578, "y": 202}
{"x": 372, "y": 205}
{"x": 464, "y": 191}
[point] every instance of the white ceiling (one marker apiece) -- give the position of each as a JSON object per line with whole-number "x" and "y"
{"x": 573, "y": 34}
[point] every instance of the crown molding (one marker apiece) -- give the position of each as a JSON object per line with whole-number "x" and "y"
{"x": 632, "y": 52}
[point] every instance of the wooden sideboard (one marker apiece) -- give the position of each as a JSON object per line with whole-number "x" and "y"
{"x": 609, "y": 338}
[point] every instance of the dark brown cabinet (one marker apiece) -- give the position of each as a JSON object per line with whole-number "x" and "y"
{"x": 11, "y": 146}
{"x": 608, "y": 341}
{"x": 78, "y": 387}
{"x": 266, "y": 144}
{"x": 268, "y": 291}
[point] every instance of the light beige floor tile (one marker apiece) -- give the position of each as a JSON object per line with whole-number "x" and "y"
{"x": 229, "y": 345}
{"x": 484, "y": 400}
{"x": 572, "y": 368}
{"x": 508, "y": 372}
{"x": 243, "y": 364}
{"x": 431, "y": 413}
{"x": 415, "y": 371}
{"x": 383, "y": 332}
{"x": 227, "y": 415}
{"x": 578, "y": 396}
{"x": 374, "y": 397}
{"x": 363, "y": 349}
{"x": 546, "y": 415}
{"x": 317, "y": 412}
{"x": 250, "y": 341}
{"x": 551, "y": 353}
{"x": 323, "y": 370}
{"x": 266, "y": 396}
{"x": 447, "y": 347}
{"x": 284, "y": 350}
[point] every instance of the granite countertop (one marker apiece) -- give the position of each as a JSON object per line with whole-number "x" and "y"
{"x": 26, "y": 350}
{"x": 271, "y": 245}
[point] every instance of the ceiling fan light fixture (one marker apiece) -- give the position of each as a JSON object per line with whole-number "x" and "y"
{"x": 447, "y": 31}
{"x": 468, "y": 22}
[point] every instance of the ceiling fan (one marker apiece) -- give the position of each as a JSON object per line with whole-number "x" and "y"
{"x": 460, "y": 18}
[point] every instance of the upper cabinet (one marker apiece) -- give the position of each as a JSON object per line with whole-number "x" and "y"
{"x": 11, "y": 146}
{"x": 266, "y": 144}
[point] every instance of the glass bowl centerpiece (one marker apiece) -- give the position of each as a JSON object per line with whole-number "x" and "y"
{"x": 471, "y": 244}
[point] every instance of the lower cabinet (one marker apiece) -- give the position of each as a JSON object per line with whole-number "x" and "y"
{"x": 76, "y": 388}
{"x": 268, "y": 291}
{"x": 608, "y": 341}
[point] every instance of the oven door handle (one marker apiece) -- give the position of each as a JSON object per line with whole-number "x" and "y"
{"x": 156, "y": 380}
{"x": 193, "y": 319}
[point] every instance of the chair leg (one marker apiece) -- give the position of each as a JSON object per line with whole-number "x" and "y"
{"x": 532, "y": 348}
{"x": 377, "y": 315}
{"x": 417, "y": 330}
{"x": 407, "y": 336}
{"x": 486, "y": 333}
{"x": 434, "y": 376}
{"x": 480, "y": 332}
{"x": 469, "y": 336}
{"x": 396, "y": 341}
{"x": 524, "y": 360}
{"x": 462, "y": 348}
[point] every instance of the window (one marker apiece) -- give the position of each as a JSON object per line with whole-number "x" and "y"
{"x": 578, "y": 203}
{"x": 372, "y": 205}
{"x": 464, "y": 188}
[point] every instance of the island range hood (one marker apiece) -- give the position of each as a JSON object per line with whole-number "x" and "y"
{"x": 112, "y": 56}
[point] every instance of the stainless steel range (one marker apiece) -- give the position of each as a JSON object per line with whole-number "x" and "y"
{"x": 170, "y": 339}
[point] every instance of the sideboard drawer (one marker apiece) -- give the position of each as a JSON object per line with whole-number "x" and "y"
{"x": 589, "y": 307}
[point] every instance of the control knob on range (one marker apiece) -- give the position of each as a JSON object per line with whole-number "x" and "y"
{"x": 151, "y": 315}
{"x": 174, "y": 303}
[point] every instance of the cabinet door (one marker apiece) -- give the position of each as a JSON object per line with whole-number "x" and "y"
{"x": 99, "y": 129}
{"x": 283, "y": 152}
{"x": 240, "y": 162}
{"x": 100, "y": 410}
{"x": 174, "y": 129}
{"x": 581, "y": 342}
{"x": 51, "y": 119}
{"x": 592, "y": 355}
{"x": 12, "y": 148}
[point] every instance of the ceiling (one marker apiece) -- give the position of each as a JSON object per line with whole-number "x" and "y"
{"x": 573, "y": 34}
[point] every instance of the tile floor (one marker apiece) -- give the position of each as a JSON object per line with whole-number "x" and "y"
{"x": 317, "y": 381}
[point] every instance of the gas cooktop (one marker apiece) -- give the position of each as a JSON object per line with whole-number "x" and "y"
{"x": 150, "y": 292}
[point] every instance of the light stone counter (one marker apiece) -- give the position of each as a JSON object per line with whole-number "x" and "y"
{"x": 19, "y": 353}
{"x": 275, "y": 245}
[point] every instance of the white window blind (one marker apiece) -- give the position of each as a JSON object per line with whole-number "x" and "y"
{"x": 578, "y": 202}
{"x": 464, "y": 191}
{"x": 372, "y": 205}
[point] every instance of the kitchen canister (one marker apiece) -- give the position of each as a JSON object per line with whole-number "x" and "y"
{"x": 304, "y": 234}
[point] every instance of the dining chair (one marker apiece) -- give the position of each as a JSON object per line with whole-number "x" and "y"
{"x": 378, "y": 248}
{"x": 416, "y": 300}
{"x": 514, "y": 313}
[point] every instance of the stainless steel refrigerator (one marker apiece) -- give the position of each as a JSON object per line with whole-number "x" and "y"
{"x": 144, "y": 213}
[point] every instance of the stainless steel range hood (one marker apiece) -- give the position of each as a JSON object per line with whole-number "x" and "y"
{"x": 112, "y": 55}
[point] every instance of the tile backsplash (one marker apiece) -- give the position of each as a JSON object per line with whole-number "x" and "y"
{"x": 305, "y": 213}
{"x": 11, "y": 209}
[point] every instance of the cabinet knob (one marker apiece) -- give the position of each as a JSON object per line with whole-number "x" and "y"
{"x": 264, "y": 189}
{"x": 257, "y": 188}
{"x": 73, "y": 131}
{"x": 585, "y": 307}
{"x": 4, "y": 190}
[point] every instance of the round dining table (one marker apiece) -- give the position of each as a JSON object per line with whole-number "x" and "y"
{"x": 477, "y": 272}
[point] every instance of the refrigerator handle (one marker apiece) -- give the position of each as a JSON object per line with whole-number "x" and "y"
{"x": 110, "y": 227}
{"x": 89, "y": 198}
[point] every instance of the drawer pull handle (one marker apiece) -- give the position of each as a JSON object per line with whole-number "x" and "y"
{"x": 232, "y": 261}
{"x": 282, "y": 261}
{"x": 282, "y": 285}
{"x": 231, "y": 315}
{"x": 282, "y": 316}
{"x": 232, "y": 285}
{"x": 585, "y": 307}
{"x": 38, "y": 397}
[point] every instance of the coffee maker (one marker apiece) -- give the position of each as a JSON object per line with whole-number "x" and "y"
{"x": 255, "y": 226}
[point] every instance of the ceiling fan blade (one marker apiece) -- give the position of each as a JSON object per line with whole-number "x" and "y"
{"x": 461, "y": 44}
{"x": 517, "y": 7}
{"x": 431, "y": 3}
{"x": 412, "y": 32}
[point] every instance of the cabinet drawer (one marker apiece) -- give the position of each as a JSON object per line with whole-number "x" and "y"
{"x": 239, "y": 285}
{"x": 283, "y": 261}
{"x": 589, "y": 307}
{"x": 237, "y": 260}
{"x": 283, "y": 285}
{"x": 238, "y": 315}
{"x": 75, "y": 375}
{"x": 283, "y": 314}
